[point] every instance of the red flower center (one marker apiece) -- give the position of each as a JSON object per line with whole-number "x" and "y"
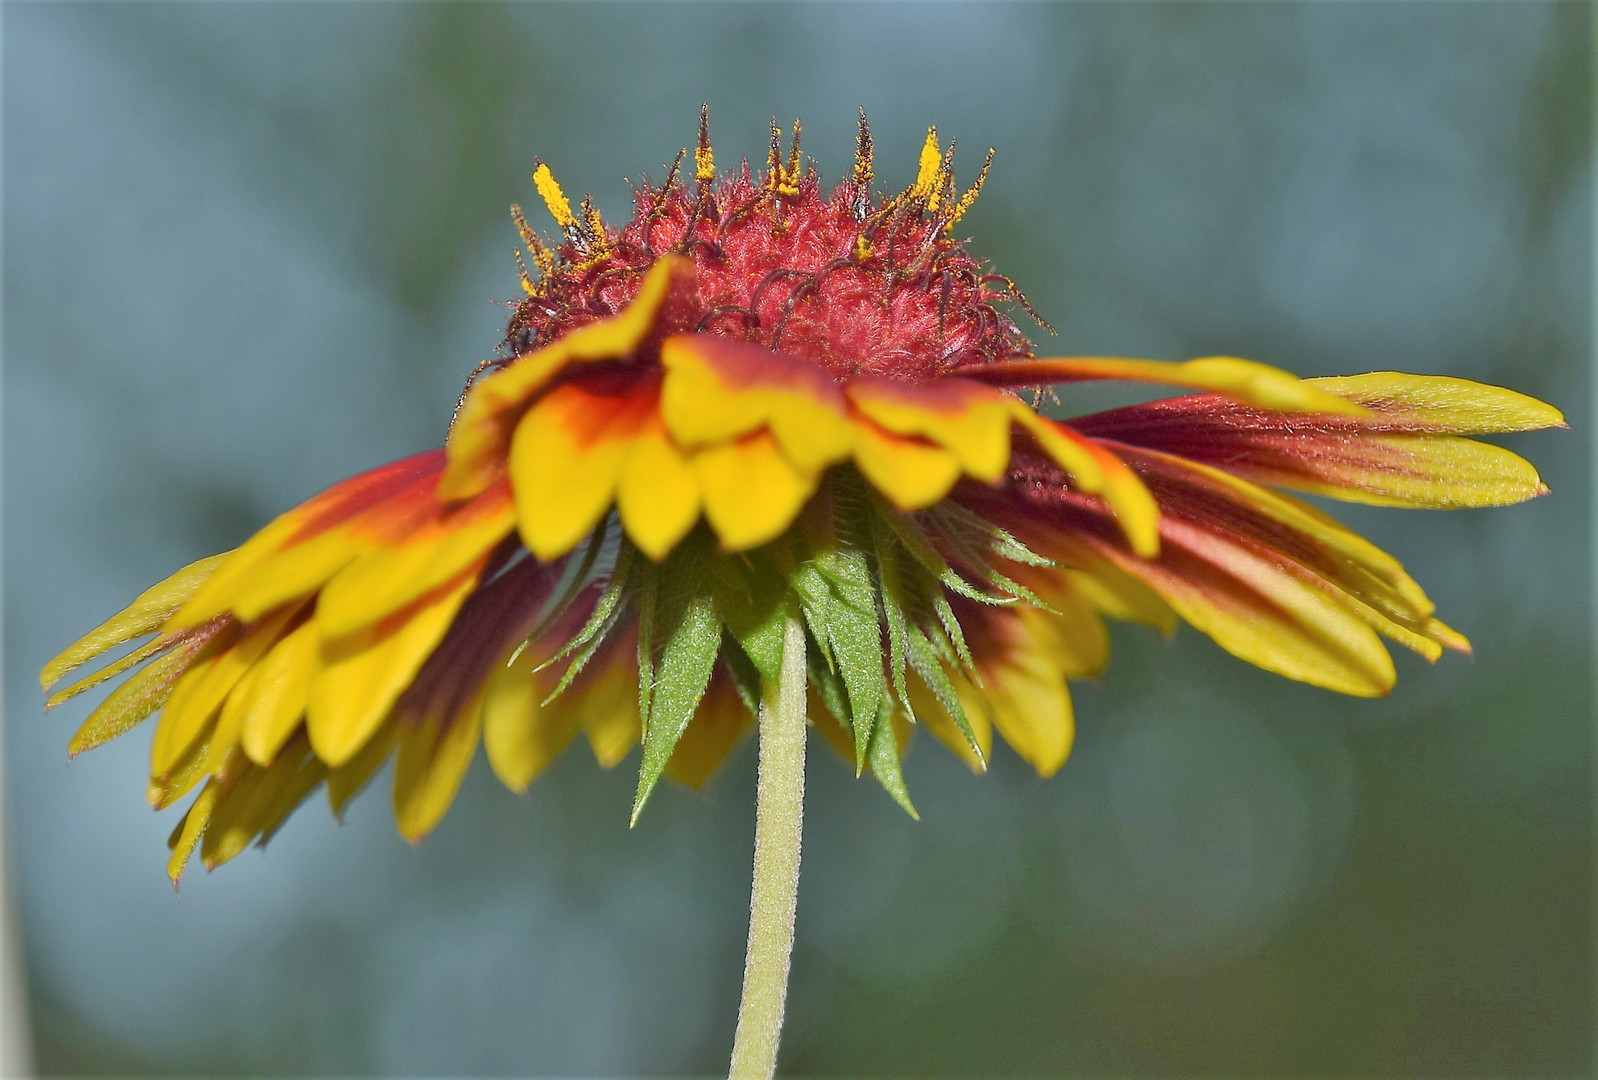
{"x": 858, "y": 283}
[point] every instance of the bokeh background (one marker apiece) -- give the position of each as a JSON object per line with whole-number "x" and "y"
{"x": 253, "y": 248}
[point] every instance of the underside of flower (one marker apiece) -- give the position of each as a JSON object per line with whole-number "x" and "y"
{"x": 757, "y": 403}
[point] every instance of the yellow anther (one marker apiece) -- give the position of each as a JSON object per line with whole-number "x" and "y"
{"x": 793, "y": 152}
{"x": 528, "y": 286}
{"x": 543, "y": 258}
{"x": 774, "y": 155}
{"x": 554, "y": 197}
{"x": 862, "y": 175}
{"x": 783, "y": 179}
{"x": 704, "y": 156}
{"x": 522, "y": 228}
{"x": 971, "y": 193}
{"x": 926, "y": 183}
{"x": 863, "y": 153}
{"x": 593, "y": 224}
{"x": 863, "y": 248}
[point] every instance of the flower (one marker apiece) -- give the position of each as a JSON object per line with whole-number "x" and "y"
{"x": 758, "y": 401}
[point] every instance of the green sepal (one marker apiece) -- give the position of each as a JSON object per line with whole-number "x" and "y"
{"x": 890, "y": 596}
{"x": 683, "y": 615}
{"x": 826, "y": 682}
{"x": 577, "y": 576}
{"x": 854, "y": 633}
{"x": 601, "y": 621}
{"x": 750, "y": 595}
{"x": 745, "y": 676}
{"x": 885, "y": 765}
{"x": 923, "y": 658}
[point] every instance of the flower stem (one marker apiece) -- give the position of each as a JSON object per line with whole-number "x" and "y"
{"x": 779, "y": 822}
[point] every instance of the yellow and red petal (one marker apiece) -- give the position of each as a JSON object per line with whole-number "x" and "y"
{"x": 912, "y": 472}
{"x": 1253, "y": 603}
{"x": 566, "y": 459}
{"x": 382, "y": 498}
{"x": 1369, "y": 459}
{"x": 1241, "y": 380}
{"x": 386, "y": 578}
{"x": 1096, "y": 470}
{"x": 969, "y": 420}
{"x": 718, "y": 389}
{"x": 1304, "y": 542}
{"x": 480, "y": 439}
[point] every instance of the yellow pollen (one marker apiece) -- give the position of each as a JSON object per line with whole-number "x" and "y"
{"x": 542, "y": 258}
{"x": 704, "y": 156}
{"x": 971, "y": 194}
{"x": 593, "y": 225}
{"x": 925, "y": 186}
{"x": 783, "y": 179}
{"x": 553, "y": 197}
{"x": 528, "y": 286}
{"x": 862, "y": 175}
{"x": 863, "y": 248}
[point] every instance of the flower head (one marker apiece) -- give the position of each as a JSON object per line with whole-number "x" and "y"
{"x": 758, "y": 400}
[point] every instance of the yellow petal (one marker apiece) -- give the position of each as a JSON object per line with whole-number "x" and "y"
{"x": 751, "y": 491}
{"x": 196, "y": 699}
{"x": 346, "y": 781}
{"x": 192, "y": 828}
{"x": 274, "y": 699}
{"x": 145, "y": 691}
{"x": 1120, "y": 595}
{"x": 912, "y": 473}
{"x": 931, "y": 715}
{"x": 1028, "y": 696}
{"x": 432, "y": 761}
{"x": 146, "y": 614}
{"x": 1097, "y": 471}
{"x": 363, "y": 674}
{"x": 1241, "y": 380}
{"x": 298, "y": 571}
{"x": 657, "y": 496}
{"x": 609, "y": 715}
{"x": 111, "y": 670}
{"x": 1443, "y": 404}
{"x": 520, "y": 735}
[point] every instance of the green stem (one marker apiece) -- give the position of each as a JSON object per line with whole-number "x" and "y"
{"x": 779, "y": 822}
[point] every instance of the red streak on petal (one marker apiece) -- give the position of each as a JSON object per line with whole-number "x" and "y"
{"x": 742, "y": 366}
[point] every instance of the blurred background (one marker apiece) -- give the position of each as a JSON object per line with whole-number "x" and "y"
{"x": 253, "y": 248}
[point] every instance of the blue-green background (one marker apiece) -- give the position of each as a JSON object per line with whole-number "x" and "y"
{"x": 250, "y": 249}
